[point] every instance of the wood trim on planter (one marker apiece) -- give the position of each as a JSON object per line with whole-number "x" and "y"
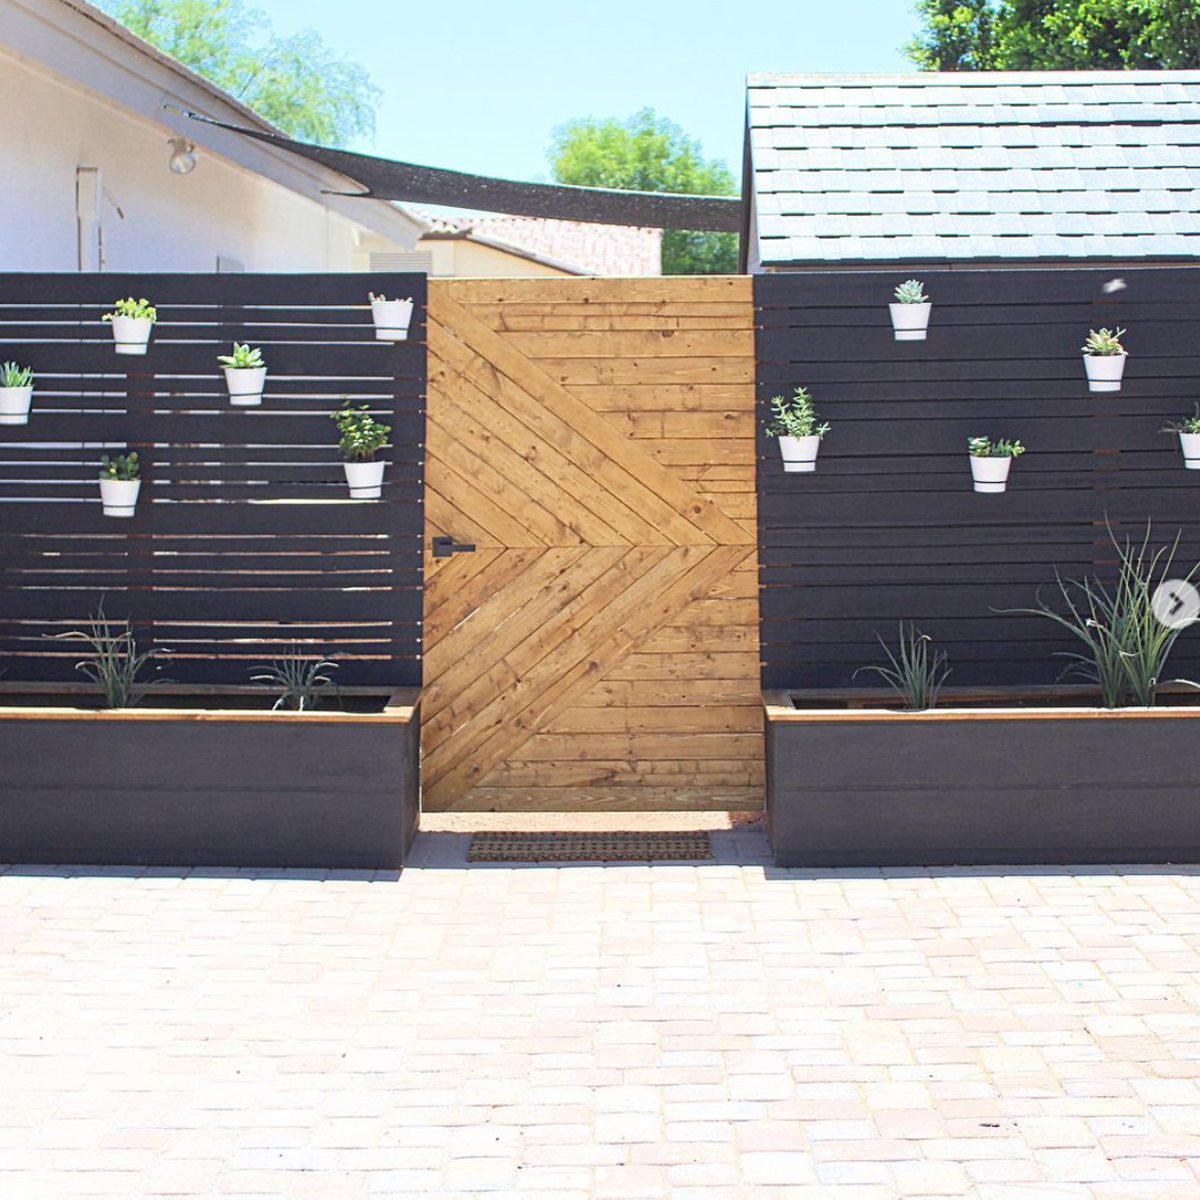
{"x": 981, "y": 787}
{"x": 216, "y": 788}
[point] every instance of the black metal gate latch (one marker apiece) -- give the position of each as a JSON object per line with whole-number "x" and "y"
{"x": 443, "y": 547}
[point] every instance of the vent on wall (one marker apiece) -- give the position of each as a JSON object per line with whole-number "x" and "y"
{"x": 399, "y": 261}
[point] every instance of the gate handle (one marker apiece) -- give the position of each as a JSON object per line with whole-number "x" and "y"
{"x": 444, "y": 547}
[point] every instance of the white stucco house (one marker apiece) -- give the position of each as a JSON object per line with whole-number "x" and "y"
{"x": 85, "y": 142}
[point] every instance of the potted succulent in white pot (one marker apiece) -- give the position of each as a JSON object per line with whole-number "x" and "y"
{"x": 119, "y": 484}
{"x": 910, "y": 311}
{"x": 1104, "y": 359}
{"x": 132, "y": 320}
{"x": 362, "y": 437}
{"x": 245, "y": 375}
{"x": 1189, "y": 439}
{"x": 391, "y": 317}
{"x": 990, "y": 462}
{"x": 798, "y": 429}
{"x": 16, "y": 394}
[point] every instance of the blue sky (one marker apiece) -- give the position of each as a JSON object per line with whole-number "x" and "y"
{"x": 480, "y": 86}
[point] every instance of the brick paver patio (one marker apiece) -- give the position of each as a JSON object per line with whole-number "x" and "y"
{"x": 696, "y": 1032}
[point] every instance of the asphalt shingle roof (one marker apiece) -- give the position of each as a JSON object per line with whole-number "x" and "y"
{"x": 952, "y": 166}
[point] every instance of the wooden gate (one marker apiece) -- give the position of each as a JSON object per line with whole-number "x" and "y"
{"x": 594, "y": 441}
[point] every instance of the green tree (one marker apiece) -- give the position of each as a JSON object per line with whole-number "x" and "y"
{"x": 648, "y": 153}
{"x": 1025, "y": 35}
{"x": 297, "y": 82}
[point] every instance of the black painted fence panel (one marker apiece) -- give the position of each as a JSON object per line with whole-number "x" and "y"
{"x": 245, "y": 539}
{"x": 888, "y": 528}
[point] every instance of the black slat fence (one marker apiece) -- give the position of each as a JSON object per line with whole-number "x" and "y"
{"x": 245, "y": 539}
{"x": 888, "y": 527}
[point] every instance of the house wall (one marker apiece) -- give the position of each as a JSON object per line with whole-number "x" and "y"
{"x": 151, "y": 220}
{"x": 458, "y": 258}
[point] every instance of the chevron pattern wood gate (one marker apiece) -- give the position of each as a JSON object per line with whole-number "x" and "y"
{"x": 594, "y": 440}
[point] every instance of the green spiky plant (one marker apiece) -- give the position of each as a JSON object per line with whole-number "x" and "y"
{"x": 1184, "y": 424}
{"x": 14, "y": 376}
{"x": 915, "y": 671}
{"x": 981, "y": 447}
{"x": 115, "y": 662}
{"x": 301, "y": 681}
{"x": 243, "y": 358}
{"x": 795, "y": 417}
{"x": 140, "y": 310}
{"x": 911, "y": 291}
{"x": 1125, "y": 645}
{"x": 1104, "y": 343}
{"x": 360, "y": 435}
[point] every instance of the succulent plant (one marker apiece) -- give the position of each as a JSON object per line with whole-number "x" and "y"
{"x": 138, "y": 310}
{"x": 1104, "y": 342}
{"x": 981, "y": 447}
{"x": 795, "y": 417}
{"x": 243, "y": 358}
{"x": 911, "y": 291}
{"x": 123, "y": 466}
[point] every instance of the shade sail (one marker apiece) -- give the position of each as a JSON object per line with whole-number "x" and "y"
{"x": 383, "y": 179}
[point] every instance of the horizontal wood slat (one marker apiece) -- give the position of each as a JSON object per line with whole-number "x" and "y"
{"x": 888, "y": 528}
{"x": 574, "y": 425}
{"x": 245, "y": 538}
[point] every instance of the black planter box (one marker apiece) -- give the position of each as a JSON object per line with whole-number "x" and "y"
{"x": 1003, "y": 786}
{"x": 210, "y": 786}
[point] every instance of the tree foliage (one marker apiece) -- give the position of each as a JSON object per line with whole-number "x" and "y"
{"x": 1024, "y": 35}
{"x": 648, "y": 153}
{"x": 296, "y": 82}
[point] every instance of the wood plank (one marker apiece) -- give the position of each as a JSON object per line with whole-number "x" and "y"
{"x": 457, "y": 441}
{"x": 569, "y": 372}
{"x": 707, "y": 519}
{"x": 631, "y": 773}
{"x": 601, "y": 518}
{"x": 693, "y": 396}
{"x": 540, "y": 619}
{"x": 639, "y": 500}
{"x": 678, "y": 745}
{"x": 641, "y": 798}
{"x": 504, "y": 320}
{"x": 531, "y": 656}
{"x": 660, "y": 718}
{"x": 661, "y": 290}
{"x": 604, "y": 640}
{"x": 615, "y": 694}
{"x": 664, "y": 343}
{"x": 479, "y": 506}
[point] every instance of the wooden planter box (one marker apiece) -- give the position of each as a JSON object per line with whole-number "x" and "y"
{"x": 981, "y": 786}
{"x": 210, "y": 786}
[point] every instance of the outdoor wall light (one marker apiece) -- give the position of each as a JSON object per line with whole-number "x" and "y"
{"x": 183, "y": 156}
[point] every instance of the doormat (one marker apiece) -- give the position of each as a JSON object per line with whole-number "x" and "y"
{"x": 588, "y": 847}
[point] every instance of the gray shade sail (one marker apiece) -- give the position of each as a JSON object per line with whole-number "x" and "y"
{"x": 384, "y": 179}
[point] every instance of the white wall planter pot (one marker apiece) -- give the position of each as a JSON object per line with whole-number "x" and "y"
{"x": 365, "y": 479}
{"x": 14, "y": 405}
{"x": 799, "y": 454}
{"x": 910, "y": 321}
{"x": 392, "y": 318}
{"x": 119, "y": 496}
{"x": 131, "y": 335}
{"x": 1104, "y": 371}
{"x": 1189, "y": 443}
{"x": 245, "y": 385}
{"x": 990, "y": 474}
